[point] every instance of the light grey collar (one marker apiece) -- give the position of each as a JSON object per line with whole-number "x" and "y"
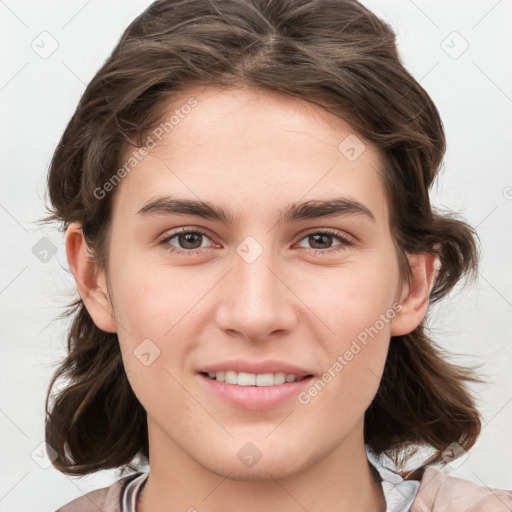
{"x": 399, "y": 493}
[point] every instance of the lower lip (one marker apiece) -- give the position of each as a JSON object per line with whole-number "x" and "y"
{"x": 255, "y": 398}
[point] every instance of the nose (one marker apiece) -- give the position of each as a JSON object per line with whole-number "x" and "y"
{"x": 257, "y": 300}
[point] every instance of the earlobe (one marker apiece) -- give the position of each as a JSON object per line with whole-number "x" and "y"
{"x": 415, "y": 295}
{"x": 90, "y": 281}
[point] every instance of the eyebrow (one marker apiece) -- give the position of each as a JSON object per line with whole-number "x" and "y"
{"x": 296, "y": 211}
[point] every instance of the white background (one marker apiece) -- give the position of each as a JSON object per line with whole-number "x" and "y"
{"x": 37, "y": 96}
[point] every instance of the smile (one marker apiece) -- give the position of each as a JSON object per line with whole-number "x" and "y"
{"x": 253, "y": 379}
{"x": 254, "y": 391}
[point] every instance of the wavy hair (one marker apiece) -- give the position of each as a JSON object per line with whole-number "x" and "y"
{"x": 332, "y": 53}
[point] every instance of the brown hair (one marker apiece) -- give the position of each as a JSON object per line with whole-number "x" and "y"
{"x": 333, "y": 53}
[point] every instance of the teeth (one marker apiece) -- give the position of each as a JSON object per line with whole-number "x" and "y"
{"x": 265, "y": 379}
{"x": 246, "y": 379}
{"x": 230, "y": 377}
{"x": 252, "y": 379}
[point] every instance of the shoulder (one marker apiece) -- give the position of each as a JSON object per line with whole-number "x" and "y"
{"x": 107, "y": 499}
{"x": 439, "y": 492}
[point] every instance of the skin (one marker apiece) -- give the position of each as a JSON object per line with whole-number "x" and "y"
{"x": 253, "y": 152}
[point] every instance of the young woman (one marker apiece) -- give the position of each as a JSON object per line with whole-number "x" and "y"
{"x": 245, "y": 189}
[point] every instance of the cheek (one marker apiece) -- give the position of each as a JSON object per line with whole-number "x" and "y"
{"x": 152, "y": 300}
{"x": 358, "y": 307}
{"x": 157, "y": 311}
{"x": 357, "y": 296}
{"x": 355, "y": 359}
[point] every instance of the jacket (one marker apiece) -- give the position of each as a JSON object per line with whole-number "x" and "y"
{"x": 438, "y": 492}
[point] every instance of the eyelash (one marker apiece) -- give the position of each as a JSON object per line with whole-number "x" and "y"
{"x": 344, "y": 242}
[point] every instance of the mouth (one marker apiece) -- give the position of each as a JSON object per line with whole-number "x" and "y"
{"x": 253, "y": 391}
{"x": 255, "y": 379}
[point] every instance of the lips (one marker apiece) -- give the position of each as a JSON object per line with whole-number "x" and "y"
{"x": 253, "y": 398}
{"x": 254, "y": 385}
{"x": 257, "y": 368}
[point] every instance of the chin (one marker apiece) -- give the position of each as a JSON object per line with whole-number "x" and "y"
{"x": 263, "y": 470}
{"x": 260, "y": 459}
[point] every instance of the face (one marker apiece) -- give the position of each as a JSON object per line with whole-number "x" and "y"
{"x": 273, "y": 292}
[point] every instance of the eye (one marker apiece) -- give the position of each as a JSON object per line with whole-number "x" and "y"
{"x": 189, "y": 241}
{"x": 321, "y": 241}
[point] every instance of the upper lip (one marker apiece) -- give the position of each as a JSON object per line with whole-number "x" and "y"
{"x": 257, "y": 367}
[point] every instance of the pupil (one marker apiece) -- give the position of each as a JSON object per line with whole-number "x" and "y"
{"x": 321, "y": 236}
{"x": 187, "y": 240}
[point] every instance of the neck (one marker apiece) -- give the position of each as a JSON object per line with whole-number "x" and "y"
{"x": 341, "y": 481}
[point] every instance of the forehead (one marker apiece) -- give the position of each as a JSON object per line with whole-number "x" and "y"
{"x": 248, "y": 149}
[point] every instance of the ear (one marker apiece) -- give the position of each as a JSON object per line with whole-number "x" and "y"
{"x": 415, "y": 295}
{"x": 91, "y": 283}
